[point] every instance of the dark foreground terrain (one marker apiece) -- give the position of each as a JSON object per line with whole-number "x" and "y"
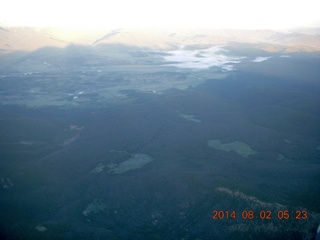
{"x": 122, "y": 145}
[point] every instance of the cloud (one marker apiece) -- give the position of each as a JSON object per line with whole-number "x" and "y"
{"x": 260, "y": 59}
{"x": 202, "y": 59}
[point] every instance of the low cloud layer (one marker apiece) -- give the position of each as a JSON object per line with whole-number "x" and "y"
{"x": 260, "y": 59}
{"x": 201, "y": 59}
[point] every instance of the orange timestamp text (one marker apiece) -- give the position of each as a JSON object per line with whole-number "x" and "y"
{"x": 262, "y": 214}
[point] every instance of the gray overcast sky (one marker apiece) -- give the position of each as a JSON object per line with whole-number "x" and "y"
{"x": 248, "y": 14}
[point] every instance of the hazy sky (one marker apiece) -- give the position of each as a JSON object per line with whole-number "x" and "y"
{"x": 249, "y": 14}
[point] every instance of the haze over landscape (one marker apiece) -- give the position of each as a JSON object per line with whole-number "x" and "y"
{"x": 159, "y": 120}
{"x": 29, "y": 25}
{"x": 246, "y": 14}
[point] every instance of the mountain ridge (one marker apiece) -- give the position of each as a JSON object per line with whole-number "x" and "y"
{"x": 30, "y": 39}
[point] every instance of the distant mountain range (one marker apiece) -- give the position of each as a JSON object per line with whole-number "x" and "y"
{"x": 29, "y": 39}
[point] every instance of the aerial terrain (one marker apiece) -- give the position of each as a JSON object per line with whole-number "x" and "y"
{"x": 159, "y": 134}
